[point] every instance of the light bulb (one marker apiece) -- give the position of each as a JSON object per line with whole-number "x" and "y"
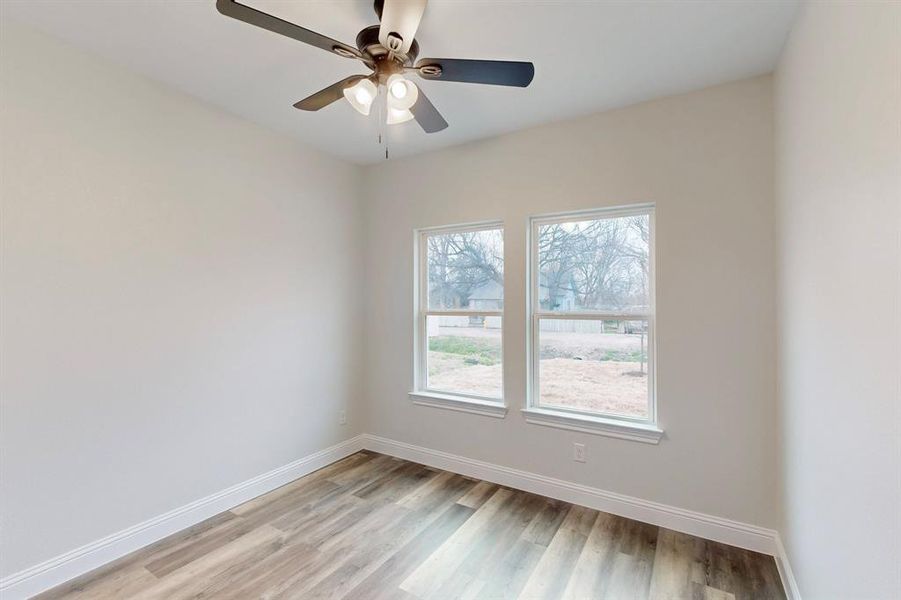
{"x": 360, "y": 95}
{"x": 399, "y": 89}
{"x": 402, "y": 94}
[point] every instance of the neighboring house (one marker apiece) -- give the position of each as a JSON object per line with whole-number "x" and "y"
{"x": 488, "y": 296}
{"x": 565, "y": 299}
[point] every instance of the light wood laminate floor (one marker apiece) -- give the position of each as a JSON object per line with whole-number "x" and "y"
{"x": 375, "y": 527}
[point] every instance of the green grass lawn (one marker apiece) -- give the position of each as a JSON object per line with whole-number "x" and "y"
{"x": 474, "y": 351}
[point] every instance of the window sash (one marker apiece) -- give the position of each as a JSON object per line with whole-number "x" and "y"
{"x": 536, "y": 313}
{"x": 423, "y": 263}
{"x": 421, "y": 358}
{"x": 422, "y": 368}
{"x": 593, "y": 316}
{"x": 596, "y": 214}
{"x": 462, "y": 312}
{"x": 534, "y": 393}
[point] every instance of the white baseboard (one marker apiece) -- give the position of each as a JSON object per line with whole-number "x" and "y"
{"x": 785, "y": 571}
{"x": 709, "y": 527}
{"x": 77, "y": 562}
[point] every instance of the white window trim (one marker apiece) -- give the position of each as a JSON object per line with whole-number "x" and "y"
{"x": 610, "y": 425}
{"x": 422, "y": 395}
{"x": 616, "y": 428}
{"x": 489, "y": 408}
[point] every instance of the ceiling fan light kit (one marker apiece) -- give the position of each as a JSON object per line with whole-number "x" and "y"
{"x": 389, "y": 50}
{"x": 361, "y": 95}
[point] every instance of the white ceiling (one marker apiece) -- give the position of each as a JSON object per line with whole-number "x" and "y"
{"x": 589, "y": 57}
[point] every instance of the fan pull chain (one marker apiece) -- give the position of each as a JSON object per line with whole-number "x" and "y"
{"x": 378, "y": 99}
{"x": 382, "y": 122}
{"x": 383, "y": 138}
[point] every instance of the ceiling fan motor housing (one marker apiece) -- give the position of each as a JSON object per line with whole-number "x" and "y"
{"x": 375, "y": 52}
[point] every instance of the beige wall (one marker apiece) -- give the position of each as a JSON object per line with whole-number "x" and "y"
{"x": 179, "y": 305}
{"x": 838, "y": 114}
{"x": 705, "y": 159}
{"x": 182, "y": 302}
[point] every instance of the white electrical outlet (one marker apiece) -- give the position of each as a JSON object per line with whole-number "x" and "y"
{"x": 579, "y": 452}
{"x": 342, "y": 417}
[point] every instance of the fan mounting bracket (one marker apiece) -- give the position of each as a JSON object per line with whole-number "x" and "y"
{"x": 342, "y": 51}
{"x": 395, "y": 42}
{"x": 430, "y": 70}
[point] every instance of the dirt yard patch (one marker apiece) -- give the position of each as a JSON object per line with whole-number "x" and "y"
{"x": 451, "y": 372}
{"x": 603, "y": 386}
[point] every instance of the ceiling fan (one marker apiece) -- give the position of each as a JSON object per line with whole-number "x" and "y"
{"x": 390, "y": 51}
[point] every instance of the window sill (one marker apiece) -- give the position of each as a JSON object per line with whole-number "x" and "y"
{"x": 638, "y": 432}
{"x": 459, "y": 403}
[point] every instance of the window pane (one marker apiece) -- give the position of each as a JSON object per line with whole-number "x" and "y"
{"x": 599, "y": 265}
{"x": 594, "y": 366}
{"x": 466, "y": 270}
{"x": 465, "y": 355}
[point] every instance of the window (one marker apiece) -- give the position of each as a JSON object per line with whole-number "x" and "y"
{"x": 592, "y": 322}
{"x": 460, "y": 318}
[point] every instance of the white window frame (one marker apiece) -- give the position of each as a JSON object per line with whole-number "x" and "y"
{"x": 422, "y": 394}
{"x": 624, "y": 427}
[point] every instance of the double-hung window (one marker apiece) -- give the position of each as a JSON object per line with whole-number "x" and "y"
{"x": 592, "y": 322}
{"x": 459, "y": 321}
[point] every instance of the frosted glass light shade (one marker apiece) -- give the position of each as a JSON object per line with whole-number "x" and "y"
{"x": 396, "y": 116}
{"x": 360, "y": 95}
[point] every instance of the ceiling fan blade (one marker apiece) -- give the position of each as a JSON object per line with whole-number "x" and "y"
{"x": 238, "y": 11}
{"x": 400, "y": 19}
{"x": 427, "y": 115}
{"x": 493, "y": 72}
{"x": 326, "y": 96}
